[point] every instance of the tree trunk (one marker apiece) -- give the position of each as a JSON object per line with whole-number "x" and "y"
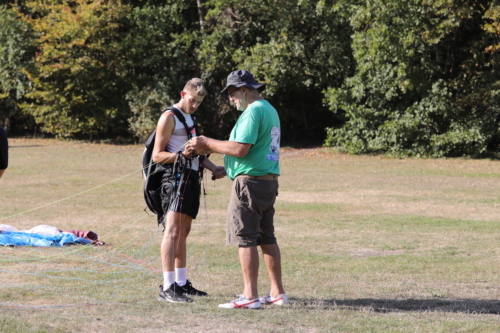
{"x": 200, "y": 14}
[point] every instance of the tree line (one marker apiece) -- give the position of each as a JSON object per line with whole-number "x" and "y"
{"x": 405, "y": 77}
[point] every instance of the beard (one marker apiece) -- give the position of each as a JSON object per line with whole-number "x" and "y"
{"x": 242, "y": 105}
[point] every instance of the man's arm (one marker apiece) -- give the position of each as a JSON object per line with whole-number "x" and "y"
{"x": 164, "y": 129}
{"x": 218, "y": 172}
{"x": 233, "y": 148}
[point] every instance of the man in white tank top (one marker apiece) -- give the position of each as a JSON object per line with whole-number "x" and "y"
{"x": 171, "y": 138}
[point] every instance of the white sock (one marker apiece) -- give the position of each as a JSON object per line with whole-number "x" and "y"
{"x": 168, "y": 279}
{"x": 180, "y": 276}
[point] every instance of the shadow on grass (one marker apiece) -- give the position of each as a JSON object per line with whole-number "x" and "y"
{"x": 390, "y": 305}
{"x": 29, "y": 146}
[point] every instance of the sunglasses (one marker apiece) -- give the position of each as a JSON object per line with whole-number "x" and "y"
{"x": 231, "y": 94}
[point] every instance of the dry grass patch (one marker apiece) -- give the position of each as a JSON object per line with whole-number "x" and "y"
{"x": 369, "y": 244}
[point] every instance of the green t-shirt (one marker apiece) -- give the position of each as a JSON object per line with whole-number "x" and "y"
{"x": 259, "y": 125}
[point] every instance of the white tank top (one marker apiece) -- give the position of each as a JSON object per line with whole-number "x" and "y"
{"x": 179, "y": 137}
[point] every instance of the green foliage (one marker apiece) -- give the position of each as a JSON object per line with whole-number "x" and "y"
{"x": 79, "y": 78}
{"x": 288, "y": 46}
{"x": 12, "y": 3}
{"x": 145, "y": 105}
{"x": 492, "y": 24}
{"x": 303, "y": 57}
{"x": 412, "y": 77}
{"x": 424, "y": 84}
{"x": 106, "y": 67}
{"x": 160, "y": 55}
{"x": 15, "y": 52}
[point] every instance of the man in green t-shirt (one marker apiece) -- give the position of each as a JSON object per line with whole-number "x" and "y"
{"x": 251, "y": 160}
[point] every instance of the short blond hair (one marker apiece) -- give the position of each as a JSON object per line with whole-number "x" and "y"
{"x": 196, "y": 86}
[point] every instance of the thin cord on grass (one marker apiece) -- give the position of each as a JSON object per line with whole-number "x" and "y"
{"x": 83, "y": 192}
{"x": 132, "y": 260}
{"x": 71, "y": 196}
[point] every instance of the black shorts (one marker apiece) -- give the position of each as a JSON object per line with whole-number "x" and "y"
{"x": 186, "y": 199}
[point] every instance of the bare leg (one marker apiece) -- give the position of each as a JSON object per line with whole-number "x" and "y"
{"x": 173, "y": 245}
{"x": 272, "y": 258}
{"x": 249, "y": 261}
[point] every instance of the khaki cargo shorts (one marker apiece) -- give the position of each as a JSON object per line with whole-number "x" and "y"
{"x": 251, "y": 211}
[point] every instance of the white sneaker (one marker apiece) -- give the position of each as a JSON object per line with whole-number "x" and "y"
{"x": 281, "y": 300}
{"x": 243, "y": 303}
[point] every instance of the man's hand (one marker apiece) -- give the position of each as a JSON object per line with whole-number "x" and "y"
{"x": 188, "y": 153}
{"x": 218, "y": 172}
{"x": 197, "y": 144}
{"x": 195, "y": 147}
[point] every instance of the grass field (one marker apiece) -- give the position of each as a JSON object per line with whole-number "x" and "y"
{"x": 369, "y": 244}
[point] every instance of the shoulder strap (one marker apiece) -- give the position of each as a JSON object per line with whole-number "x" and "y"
{"x": 180, "y": 116}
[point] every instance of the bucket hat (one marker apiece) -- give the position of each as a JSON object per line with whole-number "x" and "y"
{"x": 242, "y": 78}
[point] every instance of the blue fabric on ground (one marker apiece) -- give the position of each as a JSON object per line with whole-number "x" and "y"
{"x": 14, "y": 238}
